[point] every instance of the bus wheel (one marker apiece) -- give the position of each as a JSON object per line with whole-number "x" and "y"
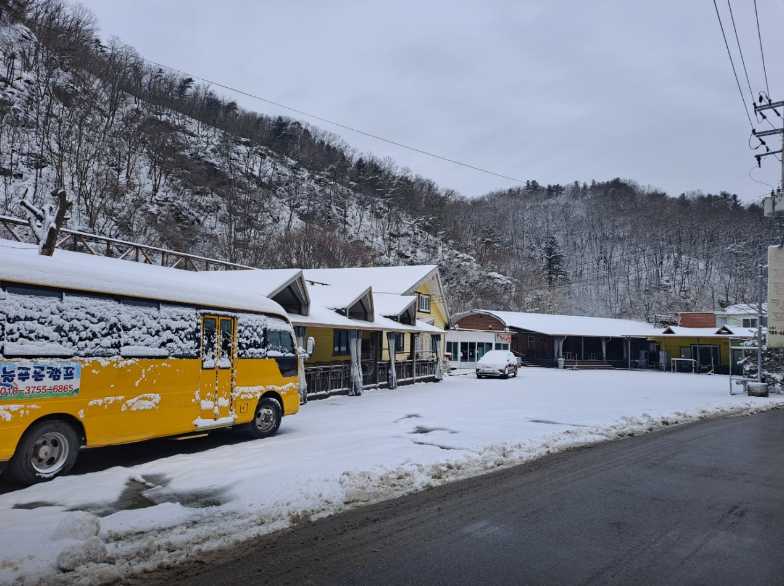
{"x": 266, "y": 420}
{"x": 46, "y": 449}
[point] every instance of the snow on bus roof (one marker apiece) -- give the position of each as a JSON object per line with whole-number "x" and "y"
{"x": 398, "y": 279}
{"x": 573, "y": 325}
{"x": 21, "y": 263}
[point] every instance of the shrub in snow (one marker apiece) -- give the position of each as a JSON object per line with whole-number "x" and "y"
{"x": 78, "y": 554}
{"x": 78, "y": 525}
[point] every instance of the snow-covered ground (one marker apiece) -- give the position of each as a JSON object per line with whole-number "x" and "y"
{"x": 336, "y": 453}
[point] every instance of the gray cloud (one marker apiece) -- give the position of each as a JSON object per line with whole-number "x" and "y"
{"x": 553, "y": 91}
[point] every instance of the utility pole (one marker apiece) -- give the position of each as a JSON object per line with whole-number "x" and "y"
{"x": 763, "y": 295}
{"x": 760, "y": 109}
{"x": 769, "y": 205}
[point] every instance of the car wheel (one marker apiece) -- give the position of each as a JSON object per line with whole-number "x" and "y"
{"x": 515, "y": 372}
{"x": 47, "y": 449}
{"x": 266, "y": 419}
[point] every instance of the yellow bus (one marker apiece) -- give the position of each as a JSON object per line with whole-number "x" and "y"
{"x": 96, "y": 351}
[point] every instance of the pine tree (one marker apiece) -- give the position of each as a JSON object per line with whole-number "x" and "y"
{"x": 554, "y": 270}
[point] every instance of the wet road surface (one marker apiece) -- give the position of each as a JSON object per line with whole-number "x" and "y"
{"x": 696, "y": 504}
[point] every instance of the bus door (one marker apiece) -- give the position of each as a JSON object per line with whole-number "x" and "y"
{"x": 225, "y": 363}
{"x": 217, "y": 366}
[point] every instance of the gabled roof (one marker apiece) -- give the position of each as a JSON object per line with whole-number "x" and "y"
{"x": 267, "y": 282}
{"x": 744, "y": 309}
{"x": 572, "y": 325}
{"x": 722, "y": 332}
{"x": 21, "y": 263}
{"x": 398, "y": 280}
{"x": 339, "y": 296}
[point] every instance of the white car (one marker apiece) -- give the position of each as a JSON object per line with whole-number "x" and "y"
{"x": 497, "y": 363}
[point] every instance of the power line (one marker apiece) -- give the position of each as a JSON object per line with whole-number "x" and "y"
{"x": 732, "y": 63}
{"x": 343, "y": 126}
{"x": 762, "y": 52}
{"x": 740, "y": 51}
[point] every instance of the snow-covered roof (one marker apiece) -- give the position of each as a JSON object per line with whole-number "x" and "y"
{"x": 392, "y": 305}
{"x": 398, "y": 280}
{"x": 721, "y": 332}
{"x": 573, "y": 325}
{"x": 266, "y": 282}
{"x": 744, "y": 309}
{"x": 340, "y": 295}
{"x": 21, "y": 263}
{"x": 320, "y": 316}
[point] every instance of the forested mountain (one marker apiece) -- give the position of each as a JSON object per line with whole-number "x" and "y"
{"x": 150, "y": 155}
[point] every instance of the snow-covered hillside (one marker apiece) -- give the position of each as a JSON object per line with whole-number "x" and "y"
{"x": 150, "y": 173}
{"x": 150, "y": 155}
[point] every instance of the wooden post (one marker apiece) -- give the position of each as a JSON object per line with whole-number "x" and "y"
{"x": 50, "y": 220}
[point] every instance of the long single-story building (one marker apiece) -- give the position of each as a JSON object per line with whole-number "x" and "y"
{"x": 592, "y": 342}
{"x": 543, "y": 339}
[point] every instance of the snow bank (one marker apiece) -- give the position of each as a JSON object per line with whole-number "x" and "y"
{"x": 336, "y": 454}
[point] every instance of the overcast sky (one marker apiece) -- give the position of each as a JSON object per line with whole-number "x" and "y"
{"x": 552, "y": 90}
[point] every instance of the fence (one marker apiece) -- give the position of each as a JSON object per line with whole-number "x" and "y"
{"x": 335, "y": 378}
{"x": 19, "y": 230}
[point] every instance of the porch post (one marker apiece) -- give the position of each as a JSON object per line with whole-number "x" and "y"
{"x": 629, "y": 352}
{"x": 299, "y": 331}
{"x": 355, "y": 349}
{"x": 414, "y": 338}
{"x": 392, "y": 369}
{"x": 604, "y": 349}
{"x": 435, "y": 340}
{"x": 559, "y": 342}
{"x": 582, "y": 347}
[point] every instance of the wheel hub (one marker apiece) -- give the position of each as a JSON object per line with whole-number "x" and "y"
{"x": 50, "y": 452}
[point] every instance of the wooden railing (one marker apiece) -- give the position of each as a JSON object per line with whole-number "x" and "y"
{"x": 327, "y": 379}
{"x": 19, "y": 230}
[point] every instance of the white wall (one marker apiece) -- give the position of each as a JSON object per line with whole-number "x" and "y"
{"x": 471, "y": 337}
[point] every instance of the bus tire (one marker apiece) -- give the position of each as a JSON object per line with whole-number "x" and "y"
{"x": 47, "y": 449}
{"x": 266, "y": 419}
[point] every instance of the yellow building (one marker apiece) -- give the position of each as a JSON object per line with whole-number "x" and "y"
{"x": 373, "y": 308}
{"x": 702, "y": 349}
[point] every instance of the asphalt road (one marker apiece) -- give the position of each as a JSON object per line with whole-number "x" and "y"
{"x": 698, "y": 504}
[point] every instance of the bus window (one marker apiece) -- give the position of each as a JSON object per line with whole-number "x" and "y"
{"x": 226, "y": 331}
{"x": 208, "y": 343}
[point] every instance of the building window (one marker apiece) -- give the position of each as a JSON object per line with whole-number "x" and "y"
{"x": 424, "y": 303}
{"x": 396, "y": 342}
{"x": 483, "y": 348}
{"x": 451, "y": 349}
{"x": 502, "y": 346}
{"x": 339, "y": 342}
{"x": 749, "y": 322}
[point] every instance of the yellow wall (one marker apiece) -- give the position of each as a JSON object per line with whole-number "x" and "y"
{"x": 673, "y": 346}
{"x": 323, "y": 352}
{"x": 437, "y": 308}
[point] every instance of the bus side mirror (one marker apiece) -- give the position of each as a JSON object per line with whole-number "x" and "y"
{"x": 310, "y": 346}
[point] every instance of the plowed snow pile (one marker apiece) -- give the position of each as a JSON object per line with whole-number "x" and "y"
{"x": 335, "y": 454}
